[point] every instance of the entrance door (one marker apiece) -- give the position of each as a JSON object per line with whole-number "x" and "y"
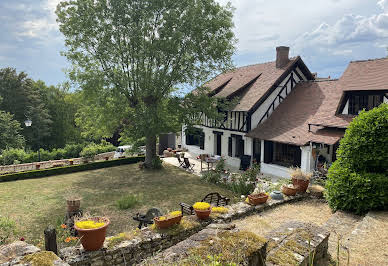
{"x": 257, "y": 150}
{"x": 218, "y": 144}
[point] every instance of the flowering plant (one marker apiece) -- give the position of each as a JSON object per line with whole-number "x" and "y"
{"x": 89, "y": 224}
{"x": 220, "y": 210}
{"x": 170, "y": 215}
{"x": 201, "y": 206}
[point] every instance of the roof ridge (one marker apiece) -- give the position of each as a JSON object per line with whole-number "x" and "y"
{"x": 268, "y": 62}
{"x": 316, "y": 81}
{"x": 369, "y": 60}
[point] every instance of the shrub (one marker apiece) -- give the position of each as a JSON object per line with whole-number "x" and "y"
{"x": 93, "y": 149}
{"x": 365, "y": 146}
{"x": 251, "y": 173}
{"x": 358, "y": 180}
{"x": 241, "y": 187}
{"x": 211, "y": 176}
{"x": 127, "y": 202}
{"x": 356, "y": 192}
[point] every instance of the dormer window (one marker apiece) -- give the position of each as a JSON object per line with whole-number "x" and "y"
{"x": 360, "y": 101}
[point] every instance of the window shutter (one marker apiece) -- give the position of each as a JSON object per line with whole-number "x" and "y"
{"x": 268, "y": 151}
{"x": 240, "y": 147}
{"x": 230, "y": 146}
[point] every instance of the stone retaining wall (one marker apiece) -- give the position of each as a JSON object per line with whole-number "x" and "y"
{"x": 148, "y": 241}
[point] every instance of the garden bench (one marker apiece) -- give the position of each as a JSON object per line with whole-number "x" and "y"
{"x": 213, "y": 198}
{"x": 148, "y": 218}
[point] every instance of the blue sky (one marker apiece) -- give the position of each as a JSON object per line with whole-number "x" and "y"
{"x": 326, "y": 33}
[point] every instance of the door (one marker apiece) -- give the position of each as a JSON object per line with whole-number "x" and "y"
{"x": 257, "y": 150}
{"x": 218, "y": 144}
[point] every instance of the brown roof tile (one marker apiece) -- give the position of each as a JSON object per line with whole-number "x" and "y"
{"x": 267, "y": 74}
{"x": 366, "y": 75}
{"x": 289, "y": 123}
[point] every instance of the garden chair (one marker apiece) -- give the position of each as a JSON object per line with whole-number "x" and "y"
{"x": 181, "y": 163}
{"x": 188, "y": 165}
{"x": 214, "y": 199}
{"x": 148, "y": 218}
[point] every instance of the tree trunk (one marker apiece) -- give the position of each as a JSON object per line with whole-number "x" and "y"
{"x": 150, "y": 151}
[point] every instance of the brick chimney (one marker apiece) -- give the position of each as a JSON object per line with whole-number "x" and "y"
{"x": 282, "y": 53}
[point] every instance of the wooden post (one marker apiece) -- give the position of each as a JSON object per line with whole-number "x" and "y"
{"x": 50, "y": 239}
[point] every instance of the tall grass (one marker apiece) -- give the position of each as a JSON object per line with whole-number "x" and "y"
{"x": 127, "y": 202}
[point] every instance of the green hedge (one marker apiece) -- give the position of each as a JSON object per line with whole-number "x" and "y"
{"x": 69, "y": 169}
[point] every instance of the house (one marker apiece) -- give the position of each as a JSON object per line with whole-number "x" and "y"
{"x": 285, "y": 116}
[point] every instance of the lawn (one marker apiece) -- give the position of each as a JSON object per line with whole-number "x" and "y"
{"x": 36, "y": 203}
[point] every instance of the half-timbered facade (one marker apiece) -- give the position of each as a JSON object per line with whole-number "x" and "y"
{"x": 260, "y": 89}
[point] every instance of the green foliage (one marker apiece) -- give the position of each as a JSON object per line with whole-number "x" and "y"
{"x": 365, "y": 145}
{"x": 9, "y": 156}
{"x": 127, "y": 202}
{"x": 8, "y": 230}
{"x": 211, "y": 177}
{"x": 357, "y": 192}
{"x": 10, "y": 136}
{"x": 93, "y": 149}
{"x": 358, "y": 180}
{"x": 241, "y": 187}
{"x": 129, "y": 82}
{"x": 69, "y": 169}
{"x": 22, "y": 98}
{"x": 251, "y": 173}
{"x": 157, "y": 163}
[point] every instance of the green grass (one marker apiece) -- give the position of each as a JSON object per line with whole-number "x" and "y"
{"x": 36, "y": 203}
{"x": 127, "y": 202}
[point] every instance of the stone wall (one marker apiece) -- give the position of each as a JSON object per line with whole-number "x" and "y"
{"x": 148, "y": 241}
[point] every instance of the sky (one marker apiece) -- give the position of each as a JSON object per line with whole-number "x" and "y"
{"x": 327, "y": 34}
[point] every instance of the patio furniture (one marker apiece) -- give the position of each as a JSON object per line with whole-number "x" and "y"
{"x": 181, "y": 163}
{"x": 214, "y": 199}
{"x": 188, "y": 165}
{"x": 148, "y": 218}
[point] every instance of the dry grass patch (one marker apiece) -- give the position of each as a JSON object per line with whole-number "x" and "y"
{"x": 313, "y": 211}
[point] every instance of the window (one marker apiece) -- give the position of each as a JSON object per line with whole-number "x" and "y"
{"x": 287, "y": 155}
{"x": 196, "y": 137}
{"x": 282, "y": 154}
{"x": 235, "y": 146}
{"x": 358, "y": 102}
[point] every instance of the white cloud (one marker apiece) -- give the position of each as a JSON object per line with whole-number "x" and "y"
{"x": 42, "y": 27}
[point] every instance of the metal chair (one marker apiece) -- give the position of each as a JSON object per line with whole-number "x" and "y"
{"x": 213, "y": 198}
{"x": 181, "y": 163}
{"x": 148, "y": 218}
{"x": 188, "y": 165}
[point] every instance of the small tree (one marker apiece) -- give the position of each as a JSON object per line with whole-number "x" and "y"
{"x": 130, "y": 56}
{"x": 358, "y": 180}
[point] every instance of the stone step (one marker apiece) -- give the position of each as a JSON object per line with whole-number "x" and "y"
{"x": 368, "y": 241}
{"x": 340, "y": 224}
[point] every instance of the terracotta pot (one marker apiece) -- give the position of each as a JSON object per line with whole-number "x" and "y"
{"x": 37, "y": 166}
{"x": 301, "y": 185}
{"x": 203, "y": 214}
{"x": 258, "y": 198}
{"x": 164, "y": 224}
{"x": 93, "y": 239}
{"x": 73, "y": 205}
{"x": 106, "y": 158}
{"x": 289, "y": 191}
{"x": 71, "y": 162}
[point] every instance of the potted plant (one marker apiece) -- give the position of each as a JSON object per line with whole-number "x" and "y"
{"x": 289, "y": 190}
{"x": 166, "y": 221}
{"x": 37, "y": 166}
{"x": 73, "y": 201}
{"x": 202, "y": 210}
{"x": 300, "y": 180}
{"x": 258, "y": 196}
{"x": 92, "y": 231}
{"x": 71, "y": 161}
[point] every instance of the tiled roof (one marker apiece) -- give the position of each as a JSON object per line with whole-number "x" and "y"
{"x": 366, "y": 75}
{"x": 267, "y": 74}
{"x": 359, "y": 75}
{"x": 289, "y": 123}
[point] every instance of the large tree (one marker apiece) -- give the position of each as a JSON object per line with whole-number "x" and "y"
{"x": 10, "y": 136}
{"x": 22, "y": 99}
{"x": 128, "y": 56}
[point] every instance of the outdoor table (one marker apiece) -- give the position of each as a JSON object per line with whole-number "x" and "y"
{"x": 211, "y": 160}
